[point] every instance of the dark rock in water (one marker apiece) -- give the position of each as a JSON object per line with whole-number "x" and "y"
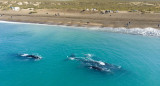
{"x": 96, "y": 65}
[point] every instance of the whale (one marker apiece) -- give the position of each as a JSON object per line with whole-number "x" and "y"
{"x": 96, "y": 65}
{"x": 30, "y": 56}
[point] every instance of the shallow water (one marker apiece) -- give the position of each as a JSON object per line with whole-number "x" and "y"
{"x": 138, "y": 55}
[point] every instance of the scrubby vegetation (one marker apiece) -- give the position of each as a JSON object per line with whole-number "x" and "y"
{"x": 140, "y": 5}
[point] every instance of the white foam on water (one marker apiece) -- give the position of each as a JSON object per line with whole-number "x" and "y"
{"x": 71, "y": 58}
{"x": 88, "y": 55}
{"x": 135, "y": 31}
{"x": 11, "y": 22}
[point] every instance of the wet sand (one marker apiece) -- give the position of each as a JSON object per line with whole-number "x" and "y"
{"x": 56, "y": 17}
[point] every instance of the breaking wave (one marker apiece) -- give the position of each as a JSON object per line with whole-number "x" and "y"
{"x": 135, "y": 31}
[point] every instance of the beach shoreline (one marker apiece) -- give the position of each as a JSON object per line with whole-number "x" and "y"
{"x": 149, "y": 31}
{"x": 115, "y": 20}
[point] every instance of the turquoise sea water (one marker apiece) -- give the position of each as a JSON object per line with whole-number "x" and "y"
{"x": 138, "y": 55}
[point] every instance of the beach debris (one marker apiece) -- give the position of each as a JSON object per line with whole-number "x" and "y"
{"x": 90, "y": 63}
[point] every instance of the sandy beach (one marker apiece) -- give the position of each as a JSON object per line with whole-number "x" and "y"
{"x": 76, "y": 18}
